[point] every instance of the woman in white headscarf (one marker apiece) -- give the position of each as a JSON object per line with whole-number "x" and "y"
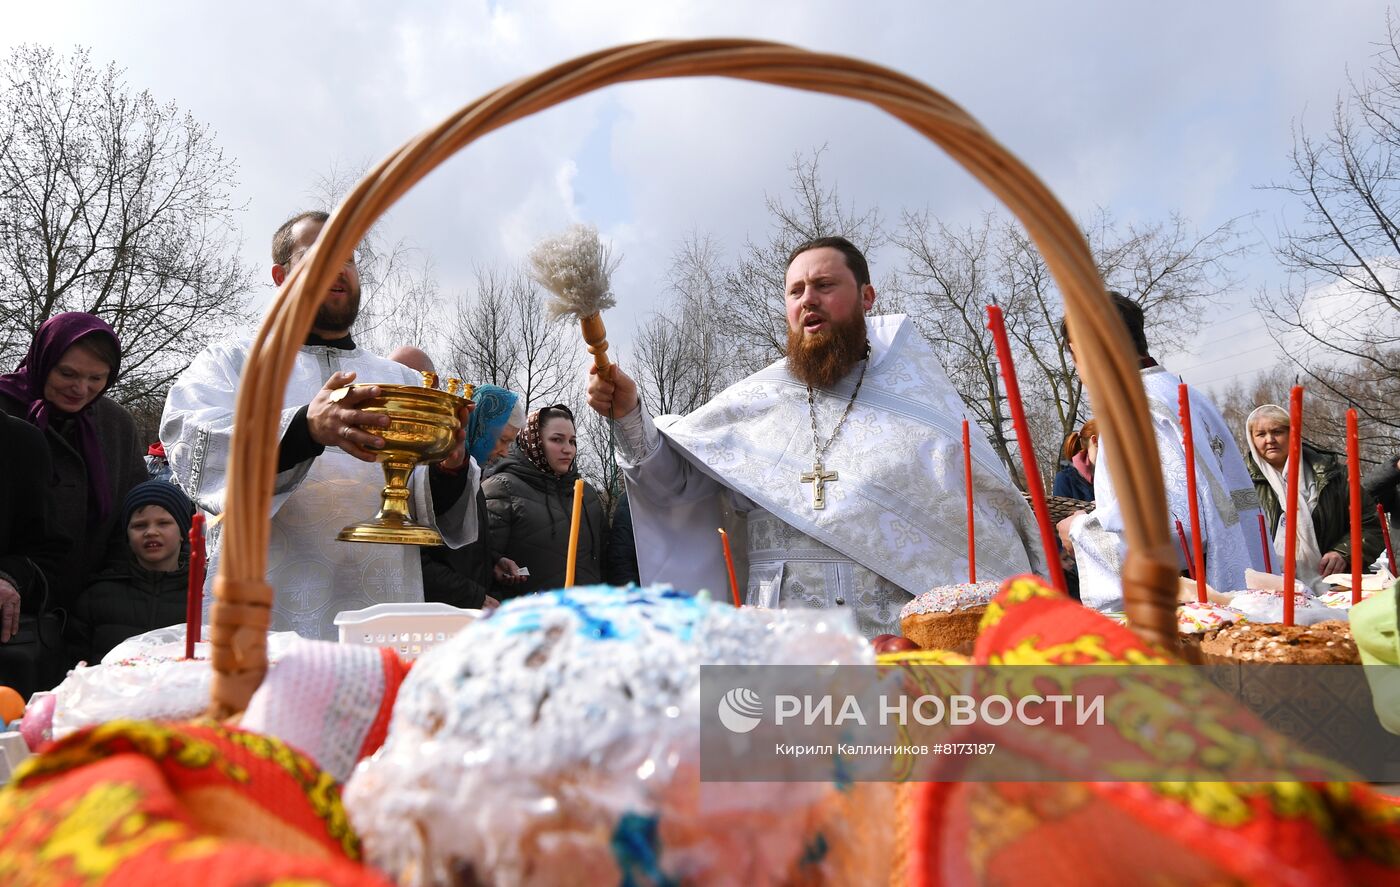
{"x": 1324, "y": 522}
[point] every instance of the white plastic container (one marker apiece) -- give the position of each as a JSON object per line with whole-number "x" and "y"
{"x": 411, "y": 629}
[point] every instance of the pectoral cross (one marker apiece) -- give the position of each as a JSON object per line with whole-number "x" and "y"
{"x": 818, "y": 478}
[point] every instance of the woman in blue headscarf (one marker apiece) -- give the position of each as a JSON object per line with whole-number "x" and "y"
{"x": 463, "y": 577}
{"x": 497, "y": 419}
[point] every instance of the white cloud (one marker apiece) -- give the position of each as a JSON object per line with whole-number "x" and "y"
{"x": 1137, "y": 108}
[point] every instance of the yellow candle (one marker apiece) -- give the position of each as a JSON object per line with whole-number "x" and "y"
{"x": 573, "y": 534}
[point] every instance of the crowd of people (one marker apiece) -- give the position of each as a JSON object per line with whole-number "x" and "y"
{"x": 861, "y": 515}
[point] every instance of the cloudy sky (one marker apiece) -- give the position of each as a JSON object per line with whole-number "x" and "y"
{"x": 1139, "y": 108}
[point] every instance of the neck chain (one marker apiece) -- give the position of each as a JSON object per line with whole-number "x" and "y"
{"x": 819, "y": 477}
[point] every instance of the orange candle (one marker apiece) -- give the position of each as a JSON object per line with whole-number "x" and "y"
{"x": 1354, "y": 482}
{"x": 572, "y": 563}
{"x": 971, "y": 532}
{"x": 1048, "y": 538}
{"x": 729, "y": 563}
{"x": 1196, "y": 556}
{"x": 1290, "y": 542}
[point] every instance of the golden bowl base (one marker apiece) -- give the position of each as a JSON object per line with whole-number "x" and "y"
{"x": 390, "y": 532}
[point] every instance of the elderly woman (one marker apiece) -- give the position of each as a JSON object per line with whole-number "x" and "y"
{"x": 463, "y": 577}
{"x": 1324, "y": 523}
{"x": 60, "y": 388}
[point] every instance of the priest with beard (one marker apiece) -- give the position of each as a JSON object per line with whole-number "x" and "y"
{"x": 845, "y": 457}
{"x": 327, "y": 475}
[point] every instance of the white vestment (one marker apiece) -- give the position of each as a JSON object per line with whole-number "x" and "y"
{"x": 894, "y": 524}
{"x": 314, "y": 575}
{"x": 1229, "y": 507}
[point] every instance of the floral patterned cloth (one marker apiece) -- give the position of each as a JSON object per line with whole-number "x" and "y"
{"x": 141, "y": 803}
{"x": 1109, "y": 833}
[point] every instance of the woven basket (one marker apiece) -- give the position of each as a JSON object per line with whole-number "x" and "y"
{"x": 240, "y": 613}
{"x": 1061, "y": 507}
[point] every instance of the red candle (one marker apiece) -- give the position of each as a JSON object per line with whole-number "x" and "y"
{"x": 1385, "y": 531}
{"x": 729, "y": 563}
{"x": 1048, "y": 539}
{"x": 194, "y": 594}
{"x": 1264, "y": 541}
{"x": 1197, "y": 555}
{"x": 1186, "y": 553}
{"x": 1354, "y": 479}
{"x": 1290, "y": 542}
{"x": 971, "y": 533}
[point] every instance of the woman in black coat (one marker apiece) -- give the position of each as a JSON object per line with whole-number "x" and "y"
{"x": 147, "y": 588}
{"x": 96, "y": 453}
{"x": 529, "y": 499}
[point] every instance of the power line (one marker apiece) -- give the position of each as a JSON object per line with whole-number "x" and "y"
{"x": 1233, "y": 356}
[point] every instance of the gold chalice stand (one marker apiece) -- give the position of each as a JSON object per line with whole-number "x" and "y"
{"x": 422, "y": 429}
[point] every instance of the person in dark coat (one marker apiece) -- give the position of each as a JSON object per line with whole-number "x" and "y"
{"x": 620, "y": 560}
{"x": 31, "y": 551}
{"x": 530, "y": 501}
{"x": 464, "y": 577}
{"x": 146, "y": 589}
{"x": 1383, "y": 484}
{"x": 95, "y": 450}
{"x": 1324, "y": 502}
{"x": 1076, "y": 481}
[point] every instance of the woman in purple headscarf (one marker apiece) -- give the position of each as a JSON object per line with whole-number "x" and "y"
{"x": 59, "y": 388}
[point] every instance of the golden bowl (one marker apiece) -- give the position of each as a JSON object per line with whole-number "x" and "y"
{"x": 422, "y": 429}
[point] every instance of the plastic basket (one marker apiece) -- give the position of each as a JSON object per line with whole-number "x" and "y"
{"x": 411, "y": 629}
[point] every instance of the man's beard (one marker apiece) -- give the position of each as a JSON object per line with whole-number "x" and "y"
{"x": 330, "y": 317}
{"x": 820, "y": 360}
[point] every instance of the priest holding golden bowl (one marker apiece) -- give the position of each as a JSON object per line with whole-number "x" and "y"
{"x": 334, "y": 435}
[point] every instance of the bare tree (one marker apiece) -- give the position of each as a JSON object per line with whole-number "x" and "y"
{"x": 547, "y": 360}
{"x": 754, "y": 319}
{"x": 1173, "y": 270}
{"x": 113, "y": 203}
{"x": 951, "y": 276}
{"x": 597, "y": 451}
{"x": 1337, "y": 318}
{"x": 681, "y": 359}
{"x": 485, "y": 347}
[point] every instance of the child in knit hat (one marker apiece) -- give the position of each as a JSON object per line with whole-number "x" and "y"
{"x": 146, "y": 589}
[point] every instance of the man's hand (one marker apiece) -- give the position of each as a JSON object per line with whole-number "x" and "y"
{"x": 507, "y": 573}
{"x": 1332, "y": 562}
{"x": 614, "y": 396}
{"x": 490, "y": 603}
{"x": 334, "y": 421}
{"x": 1063, "y": 529}
{"x": 9, "y": 611}
{"x": 458, "y": 457}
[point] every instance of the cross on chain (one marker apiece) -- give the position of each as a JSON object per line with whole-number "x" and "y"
{"x": 818, "y": 478}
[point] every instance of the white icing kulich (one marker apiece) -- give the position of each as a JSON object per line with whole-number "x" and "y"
{"x": 519, "y": 745}
{"x": 1267, "y": 607}
{"x": 1197, "y": 618}
{"x": 946, "y": 598}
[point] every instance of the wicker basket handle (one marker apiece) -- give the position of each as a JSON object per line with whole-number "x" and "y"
{"x": 242, "y": 596}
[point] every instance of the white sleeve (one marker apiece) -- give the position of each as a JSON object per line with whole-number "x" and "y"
{"x": 197, "y": 429}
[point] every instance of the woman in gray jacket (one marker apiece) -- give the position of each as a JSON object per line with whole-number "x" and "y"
{"x": 529, "y": 499}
